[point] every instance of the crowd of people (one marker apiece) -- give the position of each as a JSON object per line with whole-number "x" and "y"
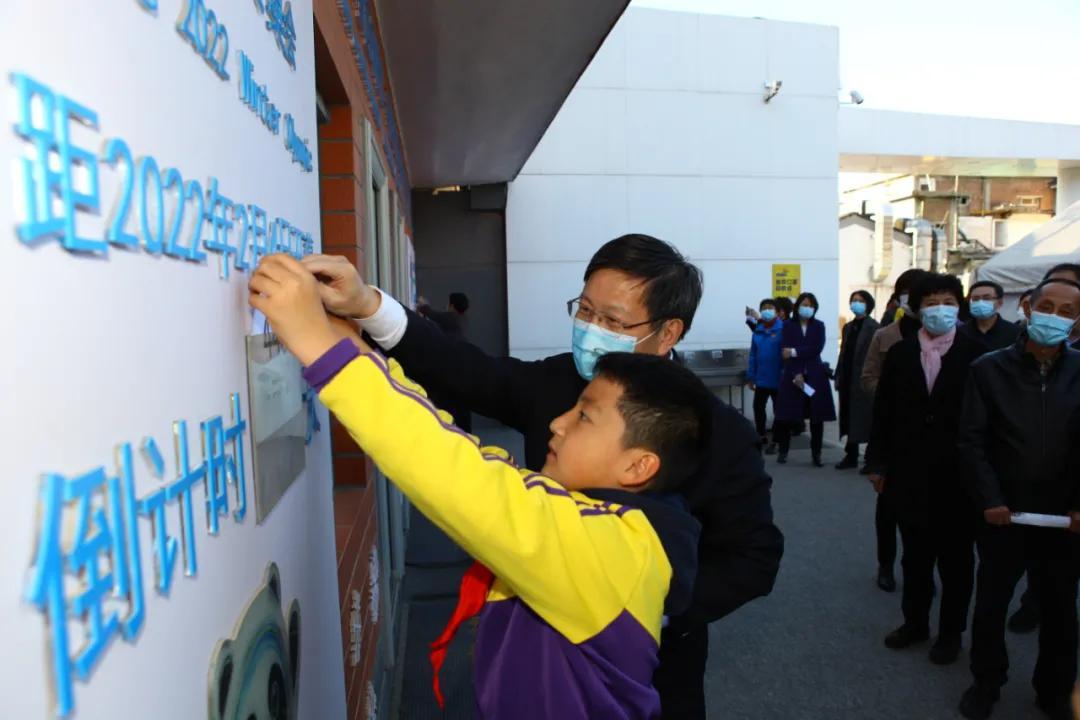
{"x": 968, "y": 420}
{"x": 645, "y": 514}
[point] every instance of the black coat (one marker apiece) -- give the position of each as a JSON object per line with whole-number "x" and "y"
{"x": 740, "y": 547}
{"x": 1017, "y": 439}
{"x": 914, "y": 433}
{"x": 1002, "y": 333}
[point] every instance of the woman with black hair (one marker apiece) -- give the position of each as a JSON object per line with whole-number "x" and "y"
{"x": 804, "y": 392}
{"x": 914, "y": 461}
{"x": 856, "y": 405}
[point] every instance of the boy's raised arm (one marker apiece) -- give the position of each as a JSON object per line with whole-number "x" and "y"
{"x": 525, "y": 528}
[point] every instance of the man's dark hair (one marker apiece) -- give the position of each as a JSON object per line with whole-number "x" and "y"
{"x": 459, "y": 301}
{"x": 667, "y": 410}
{"x": 1024, "y": 295}
{"x": 767, "y": 301}
{"x": 999, "y": 292}
{"x": 908, "y": 279}
{"x": 1072, "y": 268}
{"x": 673, "y": 285}
{"x": 783, "y": 303}
{"x": 811, "y": 297}
{"x": 867, "y": 298}
{"x": 1037, "y": 290}
{"x": 935, "y": 283}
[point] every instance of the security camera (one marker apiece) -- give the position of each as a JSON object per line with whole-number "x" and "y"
{"x": 856, "y": 97}
{"x": 772, "y": 88}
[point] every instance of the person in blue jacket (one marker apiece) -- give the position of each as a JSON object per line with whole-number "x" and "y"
{"x": 804, "y": 392}
{"x": 763, "y": 372}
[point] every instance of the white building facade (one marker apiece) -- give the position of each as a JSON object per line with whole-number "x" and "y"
{"x": 667, "y": 133}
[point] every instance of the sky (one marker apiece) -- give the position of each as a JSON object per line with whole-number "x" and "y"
{"x": 986, "y": 58}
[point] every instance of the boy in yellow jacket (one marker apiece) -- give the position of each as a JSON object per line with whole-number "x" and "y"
{"x": 585, "y": 557}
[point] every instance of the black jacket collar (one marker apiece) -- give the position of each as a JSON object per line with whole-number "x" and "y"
{"x": 678, "y": 531}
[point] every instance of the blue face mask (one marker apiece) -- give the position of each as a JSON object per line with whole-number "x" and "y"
{"x": 768, "y": 314}
{"x": 591, "y": 341}
{"x": 1049, "y": 330}
{"x": 939, "y": 319}
{"x": 858, "y": 307}
{"x": 806, "y": 312}
{"x": 982, "y": 309}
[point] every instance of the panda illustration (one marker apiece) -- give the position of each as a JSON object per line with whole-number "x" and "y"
{"x": 253, "y": 675}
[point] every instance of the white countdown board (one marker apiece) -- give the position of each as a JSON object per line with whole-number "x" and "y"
{"x": 118, "y": 329}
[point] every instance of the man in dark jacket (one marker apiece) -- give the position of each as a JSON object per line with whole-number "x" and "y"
{"x": 1016, "y": 444}
{"x": 640, "y": 295}
{"x": 987, "y": 326}
{"x": 451, "y": 322}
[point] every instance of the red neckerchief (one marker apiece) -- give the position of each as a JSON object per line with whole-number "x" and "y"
{"x": 471, "y": 597}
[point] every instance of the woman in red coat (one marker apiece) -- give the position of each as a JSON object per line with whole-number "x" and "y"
{"x": 805, "y": 392}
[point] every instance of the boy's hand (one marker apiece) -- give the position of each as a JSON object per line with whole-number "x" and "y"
{"x": 342, "y": 289}
{"x": 283, "y": 290}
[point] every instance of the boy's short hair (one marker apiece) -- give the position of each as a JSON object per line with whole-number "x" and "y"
{"x": 667, "y": 410}
{"x": 784, "y": 304}
{"x": 771, "y": 302}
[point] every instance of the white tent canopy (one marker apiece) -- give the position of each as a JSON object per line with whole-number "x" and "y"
{"x": 1023, "y": 265}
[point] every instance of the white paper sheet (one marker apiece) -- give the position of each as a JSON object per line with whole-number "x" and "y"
{"x": 1039, "y": 520}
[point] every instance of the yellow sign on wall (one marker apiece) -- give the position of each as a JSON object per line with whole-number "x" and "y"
{"x": 786, "y": 280}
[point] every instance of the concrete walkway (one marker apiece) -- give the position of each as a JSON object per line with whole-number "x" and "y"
{"x": 811, "y": 650}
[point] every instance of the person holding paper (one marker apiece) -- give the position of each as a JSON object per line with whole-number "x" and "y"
{"x": 912, "y": 459}
{"x": 1018, "y": 439}
{"x": 804, "y": 392}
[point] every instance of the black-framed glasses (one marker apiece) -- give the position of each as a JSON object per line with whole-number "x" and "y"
{"x": 576, "y": 309}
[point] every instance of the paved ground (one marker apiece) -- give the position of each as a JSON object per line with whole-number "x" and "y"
{"x": 812, "y": 650}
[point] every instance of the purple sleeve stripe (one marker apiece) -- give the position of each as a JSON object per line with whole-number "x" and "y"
{"x": 531, "y": 480}
{"x": 319, "y": 373}
{"x": 547, "y": 488}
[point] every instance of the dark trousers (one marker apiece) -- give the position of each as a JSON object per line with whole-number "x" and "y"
{"x": 761, "y": 398}
{"x": 885, "y": 526}
{"x": 1049, "y": 556}
{"x": 946, "y": 541}
{"x": 851, "y": 450}
{"x": 782, "y": 433}
{"x": 1030, "y": 597}
{"x": 680, "y": 676}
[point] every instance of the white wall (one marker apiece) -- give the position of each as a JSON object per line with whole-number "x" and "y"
{"x": 666, "y": 133}
{"x": 856, "y": 268}
{"x": 100, "y": 351}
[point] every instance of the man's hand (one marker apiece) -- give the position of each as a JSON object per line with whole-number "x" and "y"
{"x": 878, "y": 481}
{"x": 288, "y": 295}
{"x": 341, "y": 288}
{"x": 786, "y": 353}
{"x": 999, "y": 515}
{"x": 800, "y": 381}
{"x": 1074, "y": 522}
{"x": 750, "y": 384}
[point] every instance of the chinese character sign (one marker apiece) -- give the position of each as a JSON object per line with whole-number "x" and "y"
{"x": 87, "y": 570}
{"x": 786, "y": 280}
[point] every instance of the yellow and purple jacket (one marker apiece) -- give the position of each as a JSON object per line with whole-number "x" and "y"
{"x": 571, "y": 625}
